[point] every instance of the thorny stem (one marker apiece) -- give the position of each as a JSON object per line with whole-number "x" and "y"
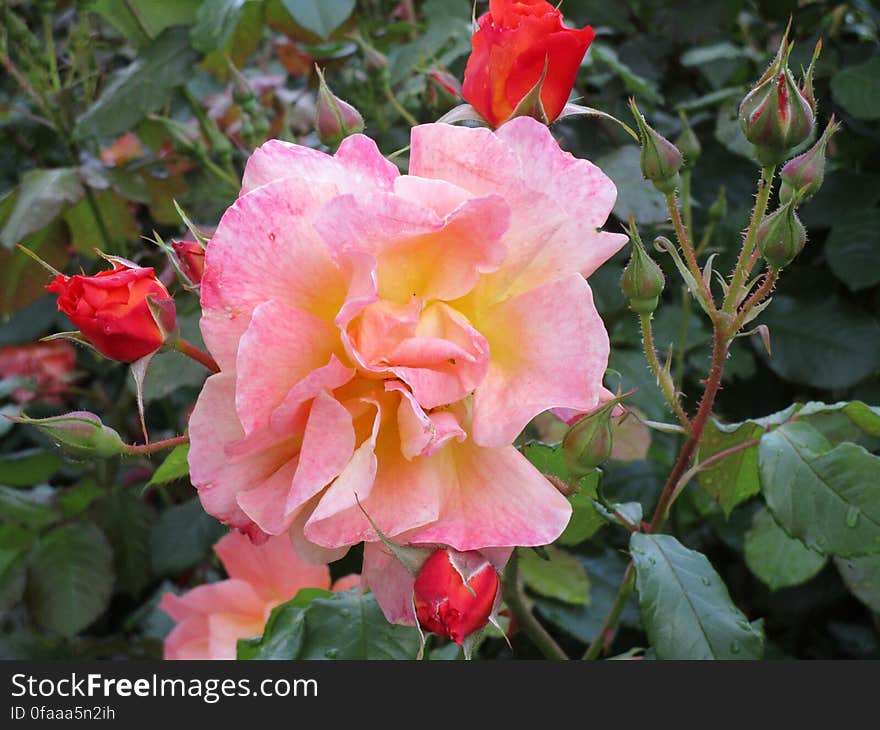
{"x": 758, "y": 296}
{"x": 516, "y": 602}
{"x": 662, "y": 378}
{"x": 765, "y": 186}
{"x": 193, "y": 352}
{"x": 713, "y": 385}
{"x": 686, "y": 201}
{"x": 152, "y": 448}
{"x": 685, "y": 244}
{"x": 603, "y": 635}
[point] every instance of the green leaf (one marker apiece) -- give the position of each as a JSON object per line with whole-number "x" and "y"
{"x": 70, "y": 578}
{"x": 853, "y": 249}
{"x": 829, "y": 498}
{"x": 182, "y": 537}
{"x": 827, "y": 343}
{"x": 127, "y": 520}
{"x": 42, "y": 196}
{"x": 133, "y": 17}
{"x": 14, "y": 543}
{"x": 142, "y": 87}
{"x": 585, "y": 518}
{"x": 77, "y": 499}
{"x": 857, "y": 89}
{"x": 115, "y": 212}
{"x": 32, "y": 466}
{"x": 321, "y": 625}
{"x": 862, "y": 577}
{"x": 686, "y": 609}
{"x": 321, "y": 17}
{"x": 215, "y": 23}
{"x": 174, "y": 467}
{"x": 561, "y": 577}
{"x": 635, "y": 195}
{"x": 775, "y": 558}
{"x": 35, "y": 507}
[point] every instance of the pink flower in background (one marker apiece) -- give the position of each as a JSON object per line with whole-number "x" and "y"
{"x": 49, "y": 365}
{"x": 213, "y": 617}
{"x": 385, "y": 337}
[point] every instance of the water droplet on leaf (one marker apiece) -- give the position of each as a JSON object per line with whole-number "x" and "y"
{"x": 852, "y": 516}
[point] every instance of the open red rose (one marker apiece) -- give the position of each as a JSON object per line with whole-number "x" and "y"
{"x": 454, "y": 593}
{"x": 510, "y": 48}
{"x": 112, "y": 312}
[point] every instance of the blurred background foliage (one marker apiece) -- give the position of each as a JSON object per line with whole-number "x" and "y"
{"x": 110, "y": 110}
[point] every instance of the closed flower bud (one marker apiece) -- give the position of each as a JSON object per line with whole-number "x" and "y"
{"x": 781, "y": 236}
{"x": 776, "y": 116}
{"x": 80, "y": 434}
{"x": 454, "y": 593}
{"x": 335, "y": 119}
{"x": 587, "y": 444}
{"x": 806, "y": 172}
{"x": 718, "y": 209}
{"x": 688, "y": 143}
{"x": 191, "y": 257}
{"x": 642, "y": 281}
{"x": 661, "y": 160}
{"x": 113, "y": 311}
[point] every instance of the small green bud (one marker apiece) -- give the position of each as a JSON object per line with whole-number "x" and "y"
{"x": 80, "y": 434}
{"x": 587, "y": 444}
{"x": 335, "y": 119}
{"x": 642, "y": 281}
{"x": 805, "y": 173}
{"x": 781, "y": 236}
{"x": 718, "y": 209}
{"x": 661, "y": 160}
{"x": 688, "y": 143}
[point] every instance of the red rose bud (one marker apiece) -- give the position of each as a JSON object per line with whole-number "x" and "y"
{"x": 513, "y": 44}
{"x": 805, "y": 174}
{"x": 80, "y": 434}
{"x": 776, "y": 116}
{"x": 642, "y": 281}
{"x": 191, "y": 257}
{"x": 446, "y": 82}
{"x": 454, "y": 593}
{"x": 587, "y": 444}
{"x": 781, "y": 236}
{"x": 112, "y": 310}
{"x": 661, "y": 160}
{"x": 335, "y": 119}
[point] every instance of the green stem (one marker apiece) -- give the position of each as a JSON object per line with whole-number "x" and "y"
{"x": 758, "y": 296}
{"x": 684, "y": 243}
{"x": 99, "y": 219}
{"x": 50, "y": 52}
{"x": 399, "y": 108}
{"x": 193, "y": 352}
{"x": 620, "y": 600}
{"x": 516, "y": 602}
{"x": 663, "y": 380}
{"x": 765, "y": 186}
{"x": 152, "y": 448}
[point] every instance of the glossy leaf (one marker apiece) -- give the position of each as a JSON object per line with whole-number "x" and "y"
{"x": 321, "y": 17}
{"x": 323, "y": 625}
{"x": 778, "y": 560}
{"x": 182, "y": 537}
{"x": 174, "y": 467}
{"x": 686, "y": 609}
{"x": 829, "y": 498}
{"x": 41, "y": 197}
{"x": 561, "y": 576}
{"x": 862, "y": 577}
{"x": 70, "y": 578}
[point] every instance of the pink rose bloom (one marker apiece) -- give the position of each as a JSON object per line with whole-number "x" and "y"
{"x": 213, "y": 617}
{"x": 385, "y": 337}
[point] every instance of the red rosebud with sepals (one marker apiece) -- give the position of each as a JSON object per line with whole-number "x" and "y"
{"x": 124, "y": 313}
{"x": 191, "y": 258}
{"x": 454, "y": 593}
{"x": 518, "y": 45}
{"x": 777, "y": 116}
